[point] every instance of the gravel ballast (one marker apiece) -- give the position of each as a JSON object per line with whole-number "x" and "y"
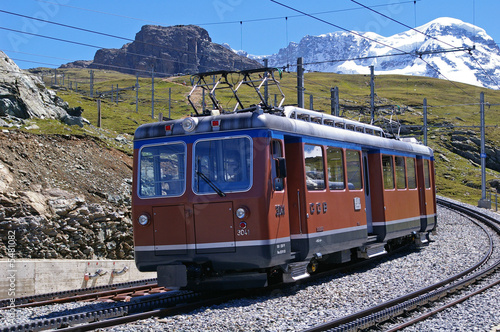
{"x": 457, "y": 245}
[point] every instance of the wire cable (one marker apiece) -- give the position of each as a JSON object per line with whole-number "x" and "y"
{"x": 428, "y": 36}
{"x": 368, "y": 38}
{"x": 100, "y": 47}
{"x": 339, "y": 27}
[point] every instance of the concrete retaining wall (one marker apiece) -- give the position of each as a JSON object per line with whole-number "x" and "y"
{"x": 29, "y": 277}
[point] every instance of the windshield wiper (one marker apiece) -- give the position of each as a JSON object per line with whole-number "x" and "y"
{"x": 211, "y": 184}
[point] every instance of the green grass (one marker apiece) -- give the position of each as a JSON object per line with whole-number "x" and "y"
{"x": 448, "y": 103}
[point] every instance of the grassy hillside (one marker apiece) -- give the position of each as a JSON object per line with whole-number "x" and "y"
{"x": 398, "y": 98}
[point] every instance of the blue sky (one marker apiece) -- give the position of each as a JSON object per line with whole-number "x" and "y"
{"x": 263, "y": 30}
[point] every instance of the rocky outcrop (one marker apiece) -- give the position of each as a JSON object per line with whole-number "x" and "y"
{"x": 181, "y": 49}
{"x": 58, "y": 224}
{"x": 77, "y": 64}
{"x": 64, "y": 197}
{"x": 24, "y": 96}
{"x": 467, "y": 144}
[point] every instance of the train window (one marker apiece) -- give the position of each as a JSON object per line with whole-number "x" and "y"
{"x": 388, "y": 170}
{"x": 353, "y": 163}
{"x": 410, "y": 170}
{"x": 340, "y": 125}
{"x": 335, "y": 166}
{"x": 304, "y": 117}
{"x": 162, "y": 170}
{"x": 315, "y": 175}
{"x": 222, "y": 165}
{"x": 400, "y": 172}
{"x": 349, "y": 127}
{"x": 427, "y": 177}
{"x": 276, "y": 152}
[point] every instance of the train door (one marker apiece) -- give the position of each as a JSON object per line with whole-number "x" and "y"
{"x": 297, "y": 213}
{"x": 278, "y": 203}
{"x": 426, "y": 193}
{"x": 368, "y": 200}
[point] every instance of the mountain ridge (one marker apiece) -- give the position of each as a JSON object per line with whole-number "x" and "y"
{"x": 180, "y": 49}
{"x": 478, "y": 63}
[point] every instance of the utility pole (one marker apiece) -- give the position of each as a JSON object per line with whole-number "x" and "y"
{"x": 99, "y": 112}
{"x": 116, "y": 99}
{"x": 91, "y": 83}
{"x": 300, "y": 82}
{"x": 311, "y": 102}
{"x": 169, "y": 102}
{"x": 55, "y": 76}
{"x": 425, "y": 121}
{"x": 266, "y": 92}
{"x": 483, "y": 202}
{"x": 137, "y": 93}
{"x": 213, "y": 93}
{"x": 334, "y": 96}
{"x": 372, "y": 94}
{"x": 152, "y": 92}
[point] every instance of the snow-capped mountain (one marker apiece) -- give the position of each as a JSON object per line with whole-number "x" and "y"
{"x": 480, "y": 67}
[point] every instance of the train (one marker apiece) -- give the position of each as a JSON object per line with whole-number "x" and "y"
{"x": 261, "y": 194}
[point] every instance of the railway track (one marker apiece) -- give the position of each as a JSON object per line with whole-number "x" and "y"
{"x": 375, "y": 316}
{"x": 143, "y": 307}
{"x": 90, "y": 293}
{"x": 166, "y": 304}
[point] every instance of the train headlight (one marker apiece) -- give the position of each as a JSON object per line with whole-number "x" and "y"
{"x": 143, "y": 219}
{"x": 241, "y": 213}
{"x": 189, "y": 124}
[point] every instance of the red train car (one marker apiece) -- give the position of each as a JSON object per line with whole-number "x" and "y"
{"x": 264, "y": 194}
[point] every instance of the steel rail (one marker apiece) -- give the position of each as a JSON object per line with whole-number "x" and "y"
{"x": 441, "y": 308}
{"x": 398, "y": 306}
{"x": 21, "y": 301}
{"x": 156, "y": 312}
{"x": 140, "y": 305}
{"x": 88, "y": 296}
{"x": 140, "y": 309}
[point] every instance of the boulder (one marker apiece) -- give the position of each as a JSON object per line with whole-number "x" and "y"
{"x": 24, "y": 95}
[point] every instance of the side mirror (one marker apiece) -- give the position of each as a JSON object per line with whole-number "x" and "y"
{"x": 280, "y": 167}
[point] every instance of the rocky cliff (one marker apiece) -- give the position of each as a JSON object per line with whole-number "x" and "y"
{"x": 185, "y": 49}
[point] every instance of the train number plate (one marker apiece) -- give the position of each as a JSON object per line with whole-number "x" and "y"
{"x": 357, "y": 203}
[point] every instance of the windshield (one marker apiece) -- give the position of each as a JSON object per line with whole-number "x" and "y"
{"x": 162, "y": 170}
{"x": 222, "y": 165}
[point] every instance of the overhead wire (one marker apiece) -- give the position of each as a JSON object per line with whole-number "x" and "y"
{"x": 429, "y": 36}
{"x": 219, "y": 22}
{"x": 338, "y": 26}
{"x": 96, "y": 32}
{"x": 368, "y": 38}
{"x": 128, "y": 39}
{"x": 100, "y": 47}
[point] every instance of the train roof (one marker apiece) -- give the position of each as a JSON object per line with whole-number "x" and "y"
{"x": 290, "y": 119}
